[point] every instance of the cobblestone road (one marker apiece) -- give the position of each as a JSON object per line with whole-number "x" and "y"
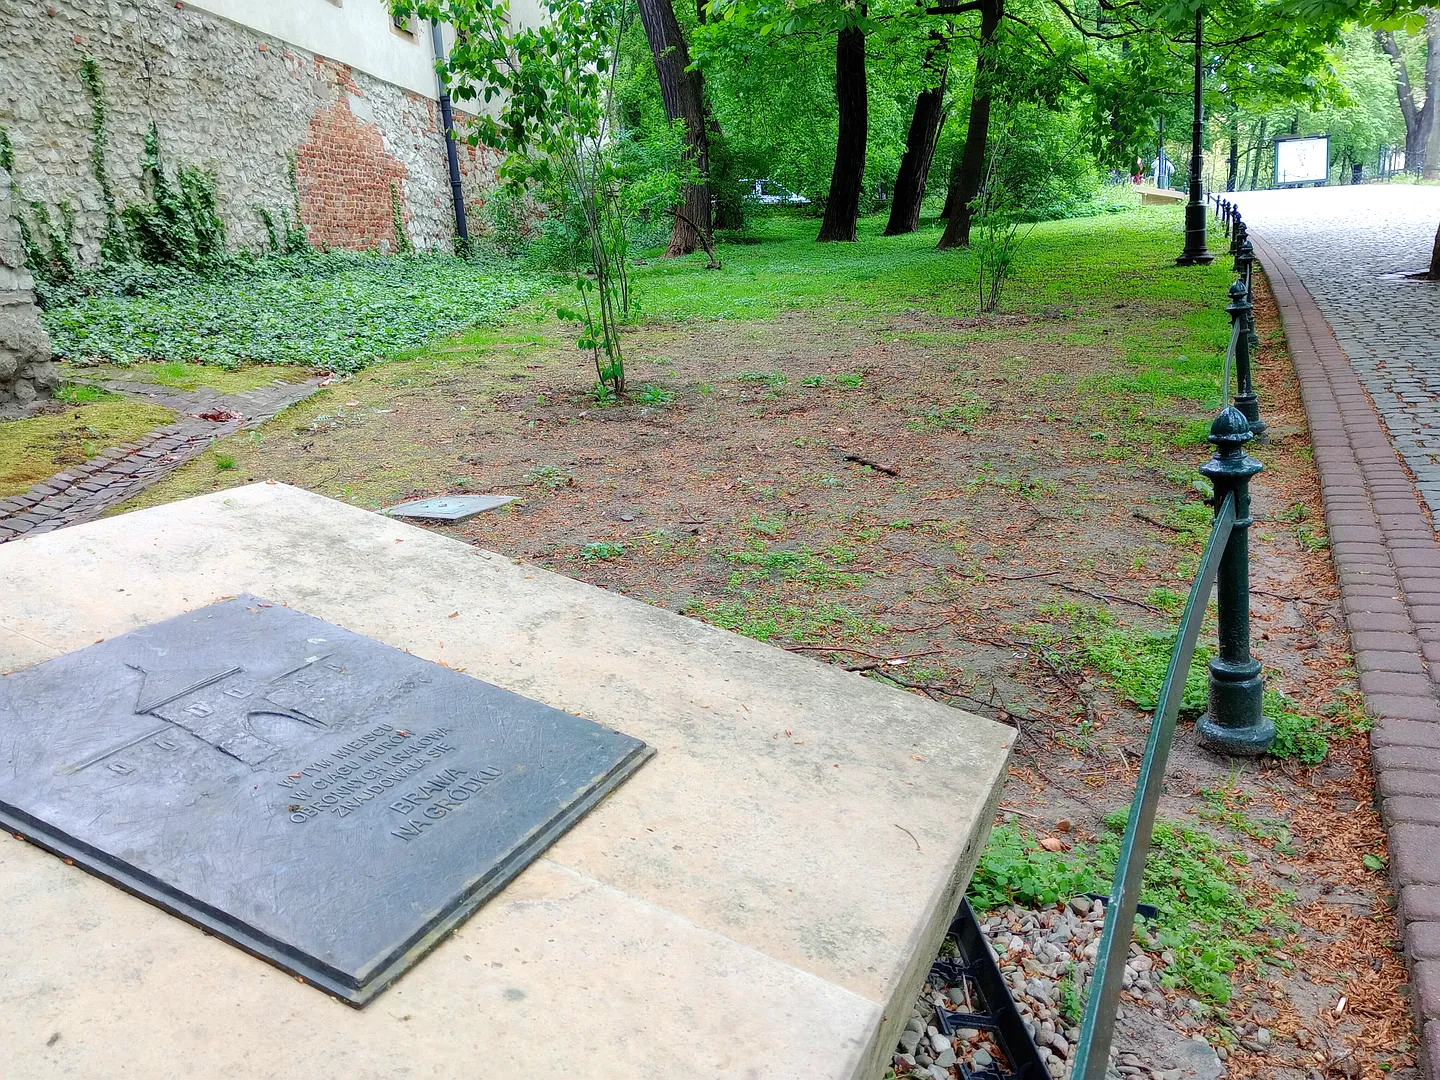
{"x": 1351, "y": 247}
{"x": 1335, "y": 256}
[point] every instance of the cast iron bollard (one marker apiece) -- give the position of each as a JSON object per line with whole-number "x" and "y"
{"x": 1245, "y": 267}
{"x": 1238, "y": 235}
{"x": 1241, "y": 311}
{"x": 1225, "y": 215}
{"x": 1235, "y": 722}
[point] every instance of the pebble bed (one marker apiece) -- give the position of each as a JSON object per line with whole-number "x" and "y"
{"x": 1042, "y": 955}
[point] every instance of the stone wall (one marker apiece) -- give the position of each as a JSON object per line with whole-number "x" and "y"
{"x": 26, "y": 370}
{"x": 234, "y": 102}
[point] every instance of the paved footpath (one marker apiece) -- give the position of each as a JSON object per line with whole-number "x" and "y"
{"x": 1371, "y": 387}
{"x": 84, "y": 492}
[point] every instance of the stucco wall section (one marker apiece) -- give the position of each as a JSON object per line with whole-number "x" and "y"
{"x": 225, "y": 98}
{"x": 26, "y": 370}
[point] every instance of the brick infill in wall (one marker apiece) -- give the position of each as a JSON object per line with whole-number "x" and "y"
{"x": 84, "y": 492}
{"x": 1387, "y": 558}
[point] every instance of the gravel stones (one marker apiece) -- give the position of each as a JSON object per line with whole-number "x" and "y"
{"x": 1047, "y": 959}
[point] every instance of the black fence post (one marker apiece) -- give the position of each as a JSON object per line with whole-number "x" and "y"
{"x": 1240, "y": 310}
{"x": 1235, "y": 722}
{"x": 1245, "y": 267}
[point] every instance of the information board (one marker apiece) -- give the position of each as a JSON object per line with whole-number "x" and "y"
{"x": 1302, "y": 160}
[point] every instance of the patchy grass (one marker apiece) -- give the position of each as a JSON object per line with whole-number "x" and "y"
{"x": 1212, "y": 916}
{"x": 38, "y": 447}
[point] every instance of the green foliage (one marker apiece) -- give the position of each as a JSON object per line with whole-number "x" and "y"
{"x": 1209, "y": 916}
{"x": 397, "y": 218}
{"x": 180, "y": 225}
{"x": 114, "y": 244}
{"x": 1307, "y": 738}
{"x": 556, "y": 83}
{"x": 601, "y": 550}
{"x": 338, "y": 311}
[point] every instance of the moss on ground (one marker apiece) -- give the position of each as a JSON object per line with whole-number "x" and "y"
{"x": 40, "y": 446}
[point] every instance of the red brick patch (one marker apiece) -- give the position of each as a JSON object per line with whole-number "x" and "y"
{"x": 1387, "y": 560}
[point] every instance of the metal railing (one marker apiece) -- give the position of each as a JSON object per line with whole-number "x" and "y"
{"x": 1234, "y": 723}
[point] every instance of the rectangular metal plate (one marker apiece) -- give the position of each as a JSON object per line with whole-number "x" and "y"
{"x": 325, "y": 802}
{"x": 450, "y": 507}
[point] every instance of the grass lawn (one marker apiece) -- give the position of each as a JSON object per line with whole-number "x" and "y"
{"x": 825, "y": 448}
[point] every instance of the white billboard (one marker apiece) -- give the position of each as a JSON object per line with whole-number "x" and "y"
{"x": 1302, "y": 160}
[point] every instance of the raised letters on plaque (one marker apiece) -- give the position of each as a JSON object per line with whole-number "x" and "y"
{"x": 326, "y": 802}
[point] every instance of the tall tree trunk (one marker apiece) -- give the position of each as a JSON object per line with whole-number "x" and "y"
{"x": 919, "y": 145}
{"x": 681, "y": 92}
{"x": 1430, "y": 114}
{"x": 842, "y": 206}
{"x": 1406, "y": 94}
{"x": 1259, "y": 153}
{"x": 1232, "y": 174}
{"x": 729, "y": 211}
{"x": 970, "y": 163}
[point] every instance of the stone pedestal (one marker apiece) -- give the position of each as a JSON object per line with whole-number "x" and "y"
{"x": 26, "y": 371}
{"x": 760, "y": 900}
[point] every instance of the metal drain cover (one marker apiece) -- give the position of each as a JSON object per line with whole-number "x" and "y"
{"x": 450, "y": 507}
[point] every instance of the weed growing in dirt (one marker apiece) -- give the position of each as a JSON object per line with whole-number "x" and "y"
{"x": 549, "y": 477}
{"x": 1131, "y": 659}
{"x": 601, "y": 550}
{"x": 764, "y": 619}
{"x": 224, "y": 461}
{"x": 80, "y": 392}
{"x": 1308, "y": 738}
{"x": 654, "y": 395}
{"x": 1211, "y": 918}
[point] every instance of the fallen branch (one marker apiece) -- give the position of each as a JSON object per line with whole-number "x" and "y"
{"x": 873, "y": 464}
{"x": 1106, "y": 596}
{"x": 1158, "y": 524}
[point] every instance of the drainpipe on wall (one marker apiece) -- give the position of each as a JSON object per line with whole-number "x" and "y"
{"x": 447, "y": 117}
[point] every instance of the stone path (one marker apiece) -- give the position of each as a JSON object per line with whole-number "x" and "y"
{"x": 1372, "y": 395}
{"x": 1352, "y": 246}
{"x": 84, "y": 492}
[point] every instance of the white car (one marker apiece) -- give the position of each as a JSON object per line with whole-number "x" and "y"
{"x": 769, "y": 193}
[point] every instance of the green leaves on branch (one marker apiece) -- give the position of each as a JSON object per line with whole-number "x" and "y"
{"x": 555, "y": 85}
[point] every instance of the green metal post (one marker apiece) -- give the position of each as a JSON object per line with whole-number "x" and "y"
{"x": 1245, "y": 267}
{"x": 1195, "y": 252}
{"x": 1240, "y": 310}
{"x": 1235, "y": 723}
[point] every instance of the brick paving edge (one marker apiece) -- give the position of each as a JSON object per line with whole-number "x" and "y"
{"x": 1387, "y": 559}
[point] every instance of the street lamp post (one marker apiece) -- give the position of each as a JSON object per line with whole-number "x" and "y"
{"x": 1195, "y": 253}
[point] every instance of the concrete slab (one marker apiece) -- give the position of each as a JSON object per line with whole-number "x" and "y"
{"x": 746, "y": 906}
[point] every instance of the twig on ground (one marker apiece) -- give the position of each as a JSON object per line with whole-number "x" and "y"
{"x": 1158, "y": 524}
{"x": 1023, "y": 813}
{"x": 858, "y": 460}
{"x": 1107, "y": 596}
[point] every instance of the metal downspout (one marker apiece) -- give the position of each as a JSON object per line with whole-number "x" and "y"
{"x": 447, "y": 117}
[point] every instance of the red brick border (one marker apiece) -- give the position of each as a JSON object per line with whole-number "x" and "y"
{"x": 1387, "y": 558}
